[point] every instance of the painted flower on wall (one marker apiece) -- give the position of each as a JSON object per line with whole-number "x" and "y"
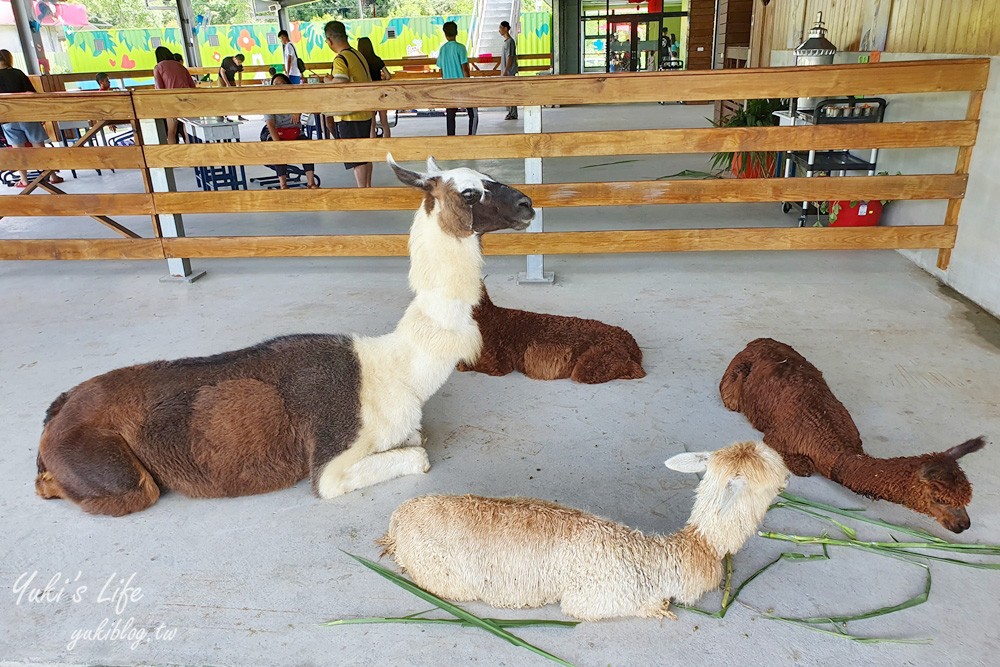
{"x": 294, "y": 35}
{"x": 241, "y": 39}
{"x": 216, "y": 56}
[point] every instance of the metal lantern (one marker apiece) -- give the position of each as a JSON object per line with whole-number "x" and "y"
{"x": 816, "y": 50}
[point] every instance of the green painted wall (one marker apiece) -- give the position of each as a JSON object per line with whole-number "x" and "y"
{"x": 104, "y": 50}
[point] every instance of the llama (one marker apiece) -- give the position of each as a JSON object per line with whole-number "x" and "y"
{"x": 342, "y": 410}
{"x": 521, "y": 552}
{"x": 786, "y": 398}
{"x": 552, "y": 347}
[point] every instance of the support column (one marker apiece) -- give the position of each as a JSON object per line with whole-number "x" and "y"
{"x": 283, "y": 23}
{"x": 535, "y": 271}
{"x": 31, "y": 41}
{"x": 172, "y": 225}
{"x": 185, "y": 18}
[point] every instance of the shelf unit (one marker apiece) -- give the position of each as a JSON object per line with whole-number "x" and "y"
{"x": 833, "y": 111}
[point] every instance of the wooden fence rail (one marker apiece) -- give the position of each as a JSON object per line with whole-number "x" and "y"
{"x": 938, "y": 76}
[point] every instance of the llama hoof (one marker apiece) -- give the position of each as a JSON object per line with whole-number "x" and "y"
{"x": 424, "y": 461}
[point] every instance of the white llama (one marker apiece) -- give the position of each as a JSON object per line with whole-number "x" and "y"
{"x": 342, "y": 410}
{"x": 521, "y": 552}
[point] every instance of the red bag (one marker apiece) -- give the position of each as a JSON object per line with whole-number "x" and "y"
{"x": 288, "y": 133}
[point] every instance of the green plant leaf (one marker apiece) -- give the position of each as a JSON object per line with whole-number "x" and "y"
{"x": 455, "y": 610}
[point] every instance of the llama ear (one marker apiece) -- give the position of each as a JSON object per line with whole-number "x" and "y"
{"x": 407, "y": 177}
{"x": 432, "y": 165}
{"x": 734, "y": 489}
{"x": 694, "y": 462}
{"x": 967, "y": 447}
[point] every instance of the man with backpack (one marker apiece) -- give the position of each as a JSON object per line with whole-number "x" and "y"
{"x": 349, "y": 66}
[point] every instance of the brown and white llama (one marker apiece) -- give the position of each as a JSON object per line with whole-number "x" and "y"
{"x": 552, "y": 347}
{"x": 343, "y": 410}
{"x": 786, "y": 398}
{"x": 521, "y": 552}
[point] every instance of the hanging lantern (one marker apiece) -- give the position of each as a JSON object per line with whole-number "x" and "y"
{"x": 816, "y": 50}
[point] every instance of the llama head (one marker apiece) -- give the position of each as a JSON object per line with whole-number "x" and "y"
{"x": 739, "y": 484}
{"x": 941, "y": 489}
{"x": 467, "y": 201}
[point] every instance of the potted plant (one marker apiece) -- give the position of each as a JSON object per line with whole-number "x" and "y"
{"x": 750, "y": 164}
{"x": 852, "y": 213}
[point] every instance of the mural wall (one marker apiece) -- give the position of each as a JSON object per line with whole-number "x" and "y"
{"x": 101, "y": 50}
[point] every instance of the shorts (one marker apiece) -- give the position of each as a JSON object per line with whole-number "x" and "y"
{"x": 294, "y": 79}
{"x": 354, "y": 129}
{"x": 19, "y": 134}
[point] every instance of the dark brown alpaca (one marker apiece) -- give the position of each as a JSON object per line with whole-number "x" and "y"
{"x": 552, "y": 347}
{"x": 786, "y": 398}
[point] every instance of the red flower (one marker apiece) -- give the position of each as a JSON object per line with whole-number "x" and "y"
{"x": 246, "y": 40}
{"x": 216, "y": 57}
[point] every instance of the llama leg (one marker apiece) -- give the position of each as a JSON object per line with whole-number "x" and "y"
{"x": 97, "y": 470}
{"x": 731, "y": 386}
{"x": 545, "y": 361}
{"x": 379, "y": 467}
{"x": 799, "y": 465}
{"x": 415, "y": 439}
{"x": 603, "y": 364}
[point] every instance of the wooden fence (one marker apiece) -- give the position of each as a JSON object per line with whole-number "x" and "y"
{"x": 937, "y": 76}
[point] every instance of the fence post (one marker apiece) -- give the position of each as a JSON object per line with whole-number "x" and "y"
{"x": 535, "y": 270}
{"x": 171, "y": 224}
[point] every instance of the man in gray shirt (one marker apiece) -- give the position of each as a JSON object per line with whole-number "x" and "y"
{"x": 508, "y": 61}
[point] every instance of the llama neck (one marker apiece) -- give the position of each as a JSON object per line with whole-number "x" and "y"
{"x": 442, "y": 266}
{"x": 882, "y": 479}
{"x": 445, "y": 277}
{"x": 725, "y": 529}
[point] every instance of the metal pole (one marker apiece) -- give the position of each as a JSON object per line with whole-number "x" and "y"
{"x": 535, "y": 271}
{"x": 31, "y": 40}
{"x": 185, "y": 18}
{"x": 283, "y": 18}
{"x": 172, "y": 225}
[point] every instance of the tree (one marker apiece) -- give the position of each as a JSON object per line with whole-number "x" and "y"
{"x": 127, "y": 14}
{"x": 349, "y": 9}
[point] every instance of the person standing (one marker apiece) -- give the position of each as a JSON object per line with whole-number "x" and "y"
{"x": 453, "y": 60}
{"x": 349, "y": 66}
{"x": 379, "y": 72}
{"x": 169, "y": 73}
{"x": 231, "y": 71}
{"x": 292, "y": 70}
{"x": 508, "y": 61}
{"x": 24, "y": 133}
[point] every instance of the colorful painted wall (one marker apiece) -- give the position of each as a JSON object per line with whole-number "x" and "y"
{"x": 99, "y": 50}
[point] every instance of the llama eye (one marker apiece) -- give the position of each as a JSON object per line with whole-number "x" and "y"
{"x": 471, "y": 196}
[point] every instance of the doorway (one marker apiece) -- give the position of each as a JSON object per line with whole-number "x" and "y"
{"x": 632, "y": 42}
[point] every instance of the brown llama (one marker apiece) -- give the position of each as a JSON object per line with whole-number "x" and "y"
{"x": 785, "y": 397}
{"x": 342, "y": 410}
{"x": 552, "y": 347}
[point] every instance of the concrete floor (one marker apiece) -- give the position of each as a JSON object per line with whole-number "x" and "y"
{"x": 247, "y": 581}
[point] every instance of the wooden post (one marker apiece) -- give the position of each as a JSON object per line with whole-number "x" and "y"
{"x": 535, "y": 270}
{"x": 961, "y": 167}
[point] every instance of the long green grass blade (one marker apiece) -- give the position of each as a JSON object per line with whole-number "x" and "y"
{"x": 914, "y": 601}
{"x": 456, "y": 611}
{"x": 853, "y": 638}
{"x": 886, "y": 548}
{"x": 607, "y": 164}
{"x": 499, "y": 622}
{"x": 798, "y": 503}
